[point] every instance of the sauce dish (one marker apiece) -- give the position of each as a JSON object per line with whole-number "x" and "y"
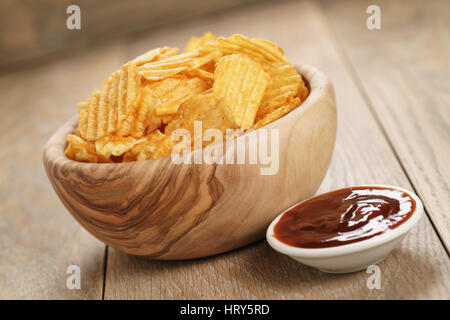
{"x": 349, "y": 257}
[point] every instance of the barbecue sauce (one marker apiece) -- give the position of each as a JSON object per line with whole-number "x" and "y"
{"x": 344, "y": 216}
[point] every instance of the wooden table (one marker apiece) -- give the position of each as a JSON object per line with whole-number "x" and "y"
{"x": 393, "y": 128}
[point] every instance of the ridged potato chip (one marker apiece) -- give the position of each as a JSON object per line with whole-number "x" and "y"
{"x": 196, "y": 43}
{"x": 170, "y": 93}
{"x": 242, "y": 83}
{"x": 108, "y": 109}
{"x": 168, "y": 67}
{"x": 277, "y": 113}
{"x": 91, "y": 116}
{"x": 174, "y": 65}
{"x": 258, "y": 49}
{"x": 115, "y": 145}
{"x": 132, "y": 94}
{"x": 155, "y": 55}
{"x": 83, "y": 115}
{"x": 81, "y": 150}
{"x": 284, "y": 85}
{"x": 146, "y": 119}
{"x": 285, "y": 82}
{"x": 114, "y": 103}
{"x": 207, "y": 108}
{"x": 154, "y": 145}
{"x": 201, "y": 73}
{"x": 303, "y": 91}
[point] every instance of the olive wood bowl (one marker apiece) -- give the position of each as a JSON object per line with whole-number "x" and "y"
{"x": 162, "y": 210}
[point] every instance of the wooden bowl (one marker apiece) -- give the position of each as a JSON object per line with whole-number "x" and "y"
{"x": 162, "y": 210}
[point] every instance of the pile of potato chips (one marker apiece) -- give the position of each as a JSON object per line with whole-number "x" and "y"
{"x": 227, "y": 83}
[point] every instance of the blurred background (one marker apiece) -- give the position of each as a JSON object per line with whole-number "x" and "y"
{"x": 36, "y": 29}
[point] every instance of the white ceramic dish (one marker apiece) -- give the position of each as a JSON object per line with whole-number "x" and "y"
{"x": 354, "y": 256}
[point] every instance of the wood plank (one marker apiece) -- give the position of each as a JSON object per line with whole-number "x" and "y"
{"x": 418, "y": 269}
{"x": 38, "y": 237}
{"x": 404, "y": 69}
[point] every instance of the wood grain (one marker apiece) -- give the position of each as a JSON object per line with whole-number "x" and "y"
{"x": 404, "y": 70}
{"x": 38, "y": 239}
{"x": 418, "y": 269}
{"x": 164, "y": 210}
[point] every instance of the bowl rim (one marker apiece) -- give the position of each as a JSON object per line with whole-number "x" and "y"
{"x": 317, "y": 82}
{"x": 350, "y": 248}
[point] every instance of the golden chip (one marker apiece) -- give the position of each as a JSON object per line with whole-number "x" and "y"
{"x": 208, "y": 108}
{"x": 154, "y": 55}
{"x": 283, "y": 86}
{"x": 277, "y": 113}
{"x": 284, "y": 81}
{"x": 242, "y": 83}
{"x": 80, "y": 150}
{"x": 146, "y": 119}
{"x": 113, "y": 103}
{"x": 257, "y": 49}
{"x": 113, "y": 106}
{"x": 103, "y": 110}
{"x": 169, "y": 67}
{"x": 201, "y": 73}
{"x": 115, "y": 145}
{"x": 195, "y": 43}
{"x": 132, "y": 93}
{"x": 92, "y": 121}
{"x": 303, "y": 91}
{"x": 174, "y": 65}
{"x": 170, "y": 93}
{"x": 83, "y": 113}
{"x": 154, "y": 145}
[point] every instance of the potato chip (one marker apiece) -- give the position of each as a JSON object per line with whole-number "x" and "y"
{"x": 284, "y": 81}
{"x": 201, "y": 73}
{"x": 81, "y": 150}
{"x": 103, "y": 109}
{"x": 154, "y": 145}
{"x": 114, "y": 103}
{"x": 242, "y": 83}
{"x": 83, "y": 113}
{"x": 207, "y": 108}
{"x": 115, "y": 145}
{"x": 257, "y": 49}
{"x": 133, "y": 86}
{"x": 146, "y": 118}
{"x": 277, "y": 113}
{"x": 195, "y": 43}
{"x": 283, "y": 86}
{"x": 108, "y": 109}
{"x": 154, "y": 55}
{"x": 170, "y": 93}
{"x": 172, "y": 66}
{"x": 92, "y": 122}
{"x": 122, "y": 110}
{"x": 303, "y": 91}
{"x": 132, "y": 93}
